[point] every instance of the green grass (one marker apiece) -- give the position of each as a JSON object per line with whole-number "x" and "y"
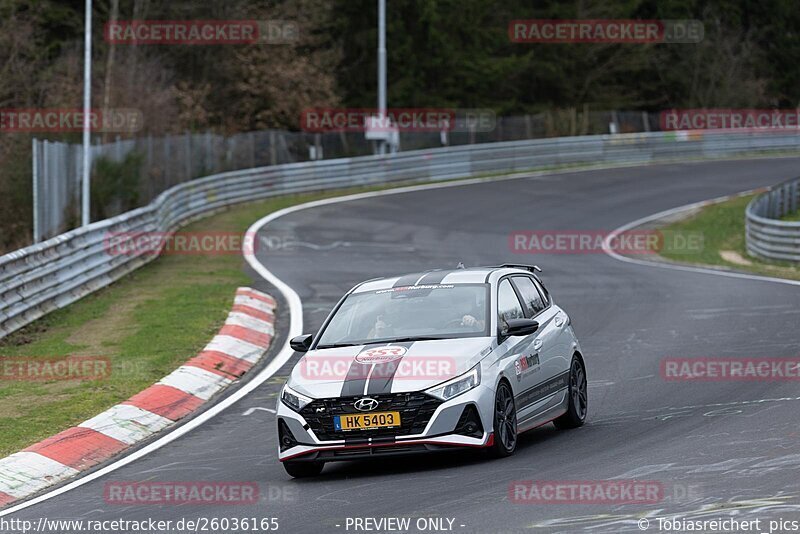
{"x": 147, "y": 324}
{"x": 793, "y": 217}
{"x": 722, "y": 229}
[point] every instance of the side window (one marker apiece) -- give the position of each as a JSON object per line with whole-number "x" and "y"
{"x": 508, "y": 306}
{"x": 543, "y": 292}
{"x": 530, "y": 295}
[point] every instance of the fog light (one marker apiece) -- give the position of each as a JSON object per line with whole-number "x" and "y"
{"x": 469, "y": 424}
{"x": 285, "y": 437}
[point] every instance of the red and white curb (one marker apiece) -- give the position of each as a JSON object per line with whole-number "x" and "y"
{"x": 240, "y": 343}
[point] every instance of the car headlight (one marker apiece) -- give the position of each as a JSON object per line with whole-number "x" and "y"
{"x": 460, "y": 384}
{"x": 294, "y": 400}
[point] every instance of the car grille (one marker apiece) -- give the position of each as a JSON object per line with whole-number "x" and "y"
{"x": 416, "y": 409}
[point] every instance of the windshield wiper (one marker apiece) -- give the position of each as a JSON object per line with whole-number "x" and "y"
{"x": 337, "y": 345}
{"x": 378, "y": 341}
{"x": 409, "y": 338}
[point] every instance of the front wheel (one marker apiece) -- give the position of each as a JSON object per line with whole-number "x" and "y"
{"x": 578, "y": 397}
{"x": 303, "y": 469}
{"x": 505, "y": 422}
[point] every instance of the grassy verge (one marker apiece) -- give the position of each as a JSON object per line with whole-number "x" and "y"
{"x": 146, "y": 324}
{"x": 722, "y": 227}
{"x": 794, "y": 217}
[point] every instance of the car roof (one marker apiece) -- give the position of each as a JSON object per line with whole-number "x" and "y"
{"x": 469, "y": 275}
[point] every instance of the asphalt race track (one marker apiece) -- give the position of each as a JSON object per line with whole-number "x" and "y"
{"x": 719, "y": 448}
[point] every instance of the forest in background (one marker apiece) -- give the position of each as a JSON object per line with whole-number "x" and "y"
{"x": 441, "y": 53}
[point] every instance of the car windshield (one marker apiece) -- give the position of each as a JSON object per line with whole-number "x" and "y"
{"x": 409, "y": 313}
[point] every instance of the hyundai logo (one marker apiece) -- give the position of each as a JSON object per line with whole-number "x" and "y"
{"x": 366, "y": 404}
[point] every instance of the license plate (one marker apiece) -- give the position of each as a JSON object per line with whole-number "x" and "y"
{"x": 362, "y": 421}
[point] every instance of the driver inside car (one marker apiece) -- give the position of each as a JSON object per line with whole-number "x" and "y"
{"x": 468, "y": 312}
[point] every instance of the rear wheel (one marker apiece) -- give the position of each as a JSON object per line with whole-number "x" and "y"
{"x": 505, "y": 422}
{"x": 578, "y": 397}
{"x": 303, "y": 469}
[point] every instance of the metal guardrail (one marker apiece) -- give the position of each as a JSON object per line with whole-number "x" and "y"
{"x": 767, "y": 236}
{"x": 52, "y": 274}
{"x": 174, "y": 159}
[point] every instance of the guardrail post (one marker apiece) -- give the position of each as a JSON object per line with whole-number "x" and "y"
{"x": 785, "y": 194}
{"x": 35, "y": 172}
{"x": 188, "y": 149}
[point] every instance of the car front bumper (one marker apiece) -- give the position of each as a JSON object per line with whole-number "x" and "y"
{"x": 446, "y": 429}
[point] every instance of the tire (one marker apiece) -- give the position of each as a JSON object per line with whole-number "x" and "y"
{"x": 578, "y": 397}
{"x": 505, "y": 422}
{"x": 303, "y": 469}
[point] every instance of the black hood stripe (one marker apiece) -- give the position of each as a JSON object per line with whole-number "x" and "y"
{"x": 383, "y": 384}
{"x": 408, "y": 280}
{"x": 355, "y": 380}
{"x": 434, "y": 277}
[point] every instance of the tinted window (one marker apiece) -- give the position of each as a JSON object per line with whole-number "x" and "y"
{"x": 530, "y": 295}
{"x": 508, "y": 305}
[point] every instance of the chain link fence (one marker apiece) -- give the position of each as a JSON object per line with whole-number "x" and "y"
{"x": 130, "y": 173}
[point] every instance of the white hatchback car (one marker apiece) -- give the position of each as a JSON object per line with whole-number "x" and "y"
{"x": 429, "y": 361}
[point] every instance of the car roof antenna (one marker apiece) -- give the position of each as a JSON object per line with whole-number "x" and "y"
{"x": 460, "y": 265}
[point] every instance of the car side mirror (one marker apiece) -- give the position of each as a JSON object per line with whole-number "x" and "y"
{"x": 521, "y": 327}
{"x": 301, "y": 343}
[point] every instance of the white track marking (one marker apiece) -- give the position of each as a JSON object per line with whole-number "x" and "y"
{"x": 258, "y": 409}
{"x": 296, "y": 315}
{"x": 608, "y": 249}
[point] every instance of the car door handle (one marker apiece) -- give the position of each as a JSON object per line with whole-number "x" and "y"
{"x": 559, "y": 320}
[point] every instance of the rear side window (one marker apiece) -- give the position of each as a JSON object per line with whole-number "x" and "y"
{"x": 530, "y": 295}
{"x": 543, "y": 291}
{"x": 508, "y": 305}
